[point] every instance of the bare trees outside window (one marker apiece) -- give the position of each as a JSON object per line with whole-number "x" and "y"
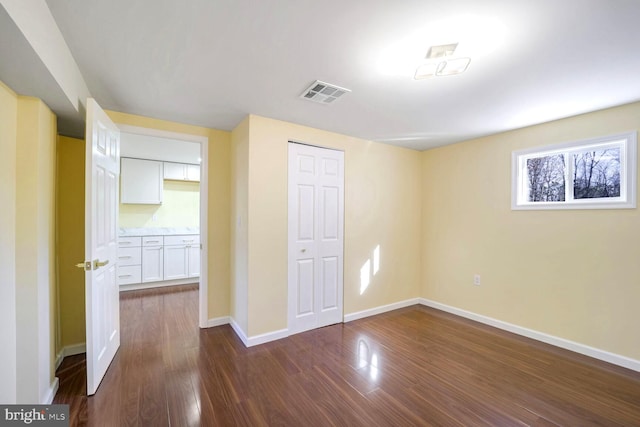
{"x": 596, "y": 174}
{"x": 546, "y": 178}
{"x": 599, "y": 173}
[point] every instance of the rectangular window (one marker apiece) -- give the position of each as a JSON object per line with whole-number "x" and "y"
{"x": 599, "y": 173}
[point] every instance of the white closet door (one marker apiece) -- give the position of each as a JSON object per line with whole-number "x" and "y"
{"x": 316, "y": 235}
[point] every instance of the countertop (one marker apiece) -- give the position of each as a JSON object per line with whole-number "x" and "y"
{"x": 158, "y": 231}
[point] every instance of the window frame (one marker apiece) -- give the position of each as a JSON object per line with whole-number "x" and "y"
{"x": 628, "y": 174}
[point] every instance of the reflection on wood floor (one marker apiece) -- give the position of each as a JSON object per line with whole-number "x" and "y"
{"x": 413, "y": 366}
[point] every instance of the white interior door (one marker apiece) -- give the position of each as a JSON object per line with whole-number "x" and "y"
{"x": 316, "y": 230}
{"x": 102, "y": 169}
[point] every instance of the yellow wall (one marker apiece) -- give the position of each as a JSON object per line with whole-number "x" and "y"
{"x": 8, "y": 136}
{"x": 218, "y": 204}
{"x": 36, "y": 291}
{"x": 238, "y": 223}
{"x": 573, "y": 274}
{"x": 382, "y": 207}
{"x": 70, "y": 238}
{"x": 180, "y": 208}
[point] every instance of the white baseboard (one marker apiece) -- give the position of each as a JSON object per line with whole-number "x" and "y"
{"x": 70, "y": 350}
{"x": 218, "y": 321}
{"x": 379, "y": 310}
{"x": 161, "y": 284}
{"x": 59, "y": 358}
{"x": 596, "y": 353}
{"x": 268, "y": 337}
{"x": 51, "y": 392}
{"x": 238, "y": 330}
{"x": 257, "y": 339}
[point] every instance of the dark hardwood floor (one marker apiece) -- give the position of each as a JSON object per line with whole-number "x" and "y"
{"x": 414, "y": 366}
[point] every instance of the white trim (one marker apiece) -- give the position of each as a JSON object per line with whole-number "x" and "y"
{"x": 268, "y": 337}
{"x": 257, "y": 339}
{"x": 204, "y": 235}
{"x": 59, "y": 359}
{"x": 238, "y": 330}
{"x": 626, "y": 142}
{"x": 204, "y": 205}
{"x": 381, "y": 309}
{"x": 160, "y": 284}
{"x": 218, "y": 321}
{"x": 596, "y": 353}
{"x": 51, "y": 392}
{"x": 70, "y": 350}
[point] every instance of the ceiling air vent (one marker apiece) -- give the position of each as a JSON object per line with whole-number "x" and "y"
{"x": 323, "y": 93}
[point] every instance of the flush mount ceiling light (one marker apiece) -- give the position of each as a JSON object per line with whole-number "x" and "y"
{"x": 323, "y": 93}
{"x": 442, "y": 66}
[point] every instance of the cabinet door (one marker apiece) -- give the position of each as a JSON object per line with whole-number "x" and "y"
{"x": 152, "y": 264}
{"x": 177, "y": 171}
{"x": 141, "y": 181}
{"x": 129, "y": 275}
{"x": 193, "y": 173}
{"x": 176, "y": 262}
{"x": 129, "y": 256}
{"x": 194, "y": 260}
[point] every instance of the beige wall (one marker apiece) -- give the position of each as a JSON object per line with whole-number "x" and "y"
{"x": 239, "y": 224}
{"x": 382, "y": 207}
{"x": 180, "y": 208}
{"x": 218, "y": 203}
{"x": 573, "y": 274}
{"x": 70, "y": 239}
{"x": 8, "y": 136}
{"x": 36, "y": 291}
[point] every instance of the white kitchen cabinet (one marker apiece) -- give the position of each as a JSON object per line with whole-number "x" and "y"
{"x": 193, "y": 173}
{"x": 194, "y": 260}
{"x": 129, "y": 260}
{"x": 141, "y": 181}
{"x": 181, "y": 172}
{"x": 176, "y": 262}
{"x": 152, "y": 259}
{"x": 181, "y": 257}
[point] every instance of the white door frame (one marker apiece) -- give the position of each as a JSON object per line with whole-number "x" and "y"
{"x": 204, "y": 205}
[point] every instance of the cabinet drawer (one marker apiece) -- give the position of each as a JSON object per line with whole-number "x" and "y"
{"x": 152, "y": 241}
{"x": 187, "y": 239}
{"x": 129, "y": 274}
{"x": 129, "y": 242}
{"x": 129, "y": 256}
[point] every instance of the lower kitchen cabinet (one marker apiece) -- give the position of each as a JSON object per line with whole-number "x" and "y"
{"x": 152, "y": 264}
{"x": 181, "y": 257}
{"x": 158, "y": 258}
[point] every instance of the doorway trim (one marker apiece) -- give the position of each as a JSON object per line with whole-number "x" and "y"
{"x": 203, "y": 289}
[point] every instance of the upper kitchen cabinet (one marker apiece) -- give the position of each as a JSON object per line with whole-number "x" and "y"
{"x": 181, "y": 171}
{"x": 141, "y": 181}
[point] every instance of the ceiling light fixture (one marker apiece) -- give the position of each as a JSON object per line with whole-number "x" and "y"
{"x": 444, "y": 67}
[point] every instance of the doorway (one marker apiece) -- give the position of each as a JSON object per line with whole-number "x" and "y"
{"x": 175, "y": 252}
{"x": 316, "y": 237}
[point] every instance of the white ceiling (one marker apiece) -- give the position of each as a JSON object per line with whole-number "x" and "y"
{"x": 212, "y": 62}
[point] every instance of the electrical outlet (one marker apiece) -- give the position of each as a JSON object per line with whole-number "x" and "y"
{"x": 154, "y": 218}
{"x": 476, "y": 279}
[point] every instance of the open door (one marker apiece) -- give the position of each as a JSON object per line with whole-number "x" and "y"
{"x": 102, "y": 169}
